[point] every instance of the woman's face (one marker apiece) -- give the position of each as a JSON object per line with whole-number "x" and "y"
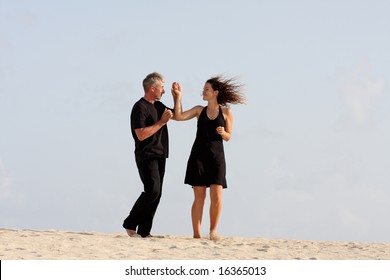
{"x": 208, "y": 92}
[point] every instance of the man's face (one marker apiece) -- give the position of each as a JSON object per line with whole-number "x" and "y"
{"x": 158, "y": 90}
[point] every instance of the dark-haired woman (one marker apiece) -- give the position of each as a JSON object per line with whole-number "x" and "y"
{"x": 206, "y": 167}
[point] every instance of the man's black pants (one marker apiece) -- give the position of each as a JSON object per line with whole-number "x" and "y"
{"x": 141, "y": 215}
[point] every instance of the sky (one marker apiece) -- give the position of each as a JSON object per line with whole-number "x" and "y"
{"x": 309, "y": 156}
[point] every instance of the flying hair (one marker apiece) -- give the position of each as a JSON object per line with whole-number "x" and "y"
{"x": 229, "y": 90}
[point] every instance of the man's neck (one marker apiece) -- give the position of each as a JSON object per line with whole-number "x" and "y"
{"x": 149, "y": 99}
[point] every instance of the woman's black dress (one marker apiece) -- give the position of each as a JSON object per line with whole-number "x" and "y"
{"x": 206, "y": 165}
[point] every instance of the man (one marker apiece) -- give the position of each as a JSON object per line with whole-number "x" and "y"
{"x": 149, "y": 118}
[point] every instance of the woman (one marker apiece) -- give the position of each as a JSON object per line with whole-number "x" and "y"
{"x": 206, "y": 166}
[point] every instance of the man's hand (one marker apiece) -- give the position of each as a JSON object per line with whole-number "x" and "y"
{"x": 166, "y": 116}
{"x": 145, "y": 132}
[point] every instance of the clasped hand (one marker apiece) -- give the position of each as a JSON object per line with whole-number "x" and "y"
{"x": 176, "y": 90}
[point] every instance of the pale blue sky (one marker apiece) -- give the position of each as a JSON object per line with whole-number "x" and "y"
{"x": 309, "y": 157}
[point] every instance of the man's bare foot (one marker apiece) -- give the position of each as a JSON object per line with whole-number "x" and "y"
{"x": 132, "y": 233}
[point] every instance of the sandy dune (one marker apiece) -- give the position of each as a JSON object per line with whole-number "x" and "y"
{"x": 62, "y": 245}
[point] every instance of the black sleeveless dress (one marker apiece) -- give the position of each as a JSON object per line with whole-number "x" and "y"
{"x": 206, "y": 164}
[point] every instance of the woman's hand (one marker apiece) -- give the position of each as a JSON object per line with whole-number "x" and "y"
{"x": 220, "y": 130}
{"x": 176, "y": 90}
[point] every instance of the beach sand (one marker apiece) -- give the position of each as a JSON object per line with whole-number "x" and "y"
{"x": 64, "y": 245}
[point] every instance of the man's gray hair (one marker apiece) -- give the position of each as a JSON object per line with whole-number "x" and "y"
{"x": 151, "y": 80}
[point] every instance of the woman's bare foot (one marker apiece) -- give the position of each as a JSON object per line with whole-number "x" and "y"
{"x": 214, "y": 236}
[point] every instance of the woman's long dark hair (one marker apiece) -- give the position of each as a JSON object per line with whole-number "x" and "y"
{"x": 230, "y": 91}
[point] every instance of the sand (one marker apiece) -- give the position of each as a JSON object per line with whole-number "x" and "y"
{"x": 65, "y": 245}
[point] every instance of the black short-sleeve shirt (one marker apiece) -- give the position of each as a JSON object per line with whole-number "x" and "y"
{"x": 145, "y": 114}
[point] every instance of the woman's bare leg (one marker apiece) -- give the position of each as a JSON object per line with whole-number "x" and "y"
{"x": 215, "y": 209}
{"x": 197, "y": 209}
